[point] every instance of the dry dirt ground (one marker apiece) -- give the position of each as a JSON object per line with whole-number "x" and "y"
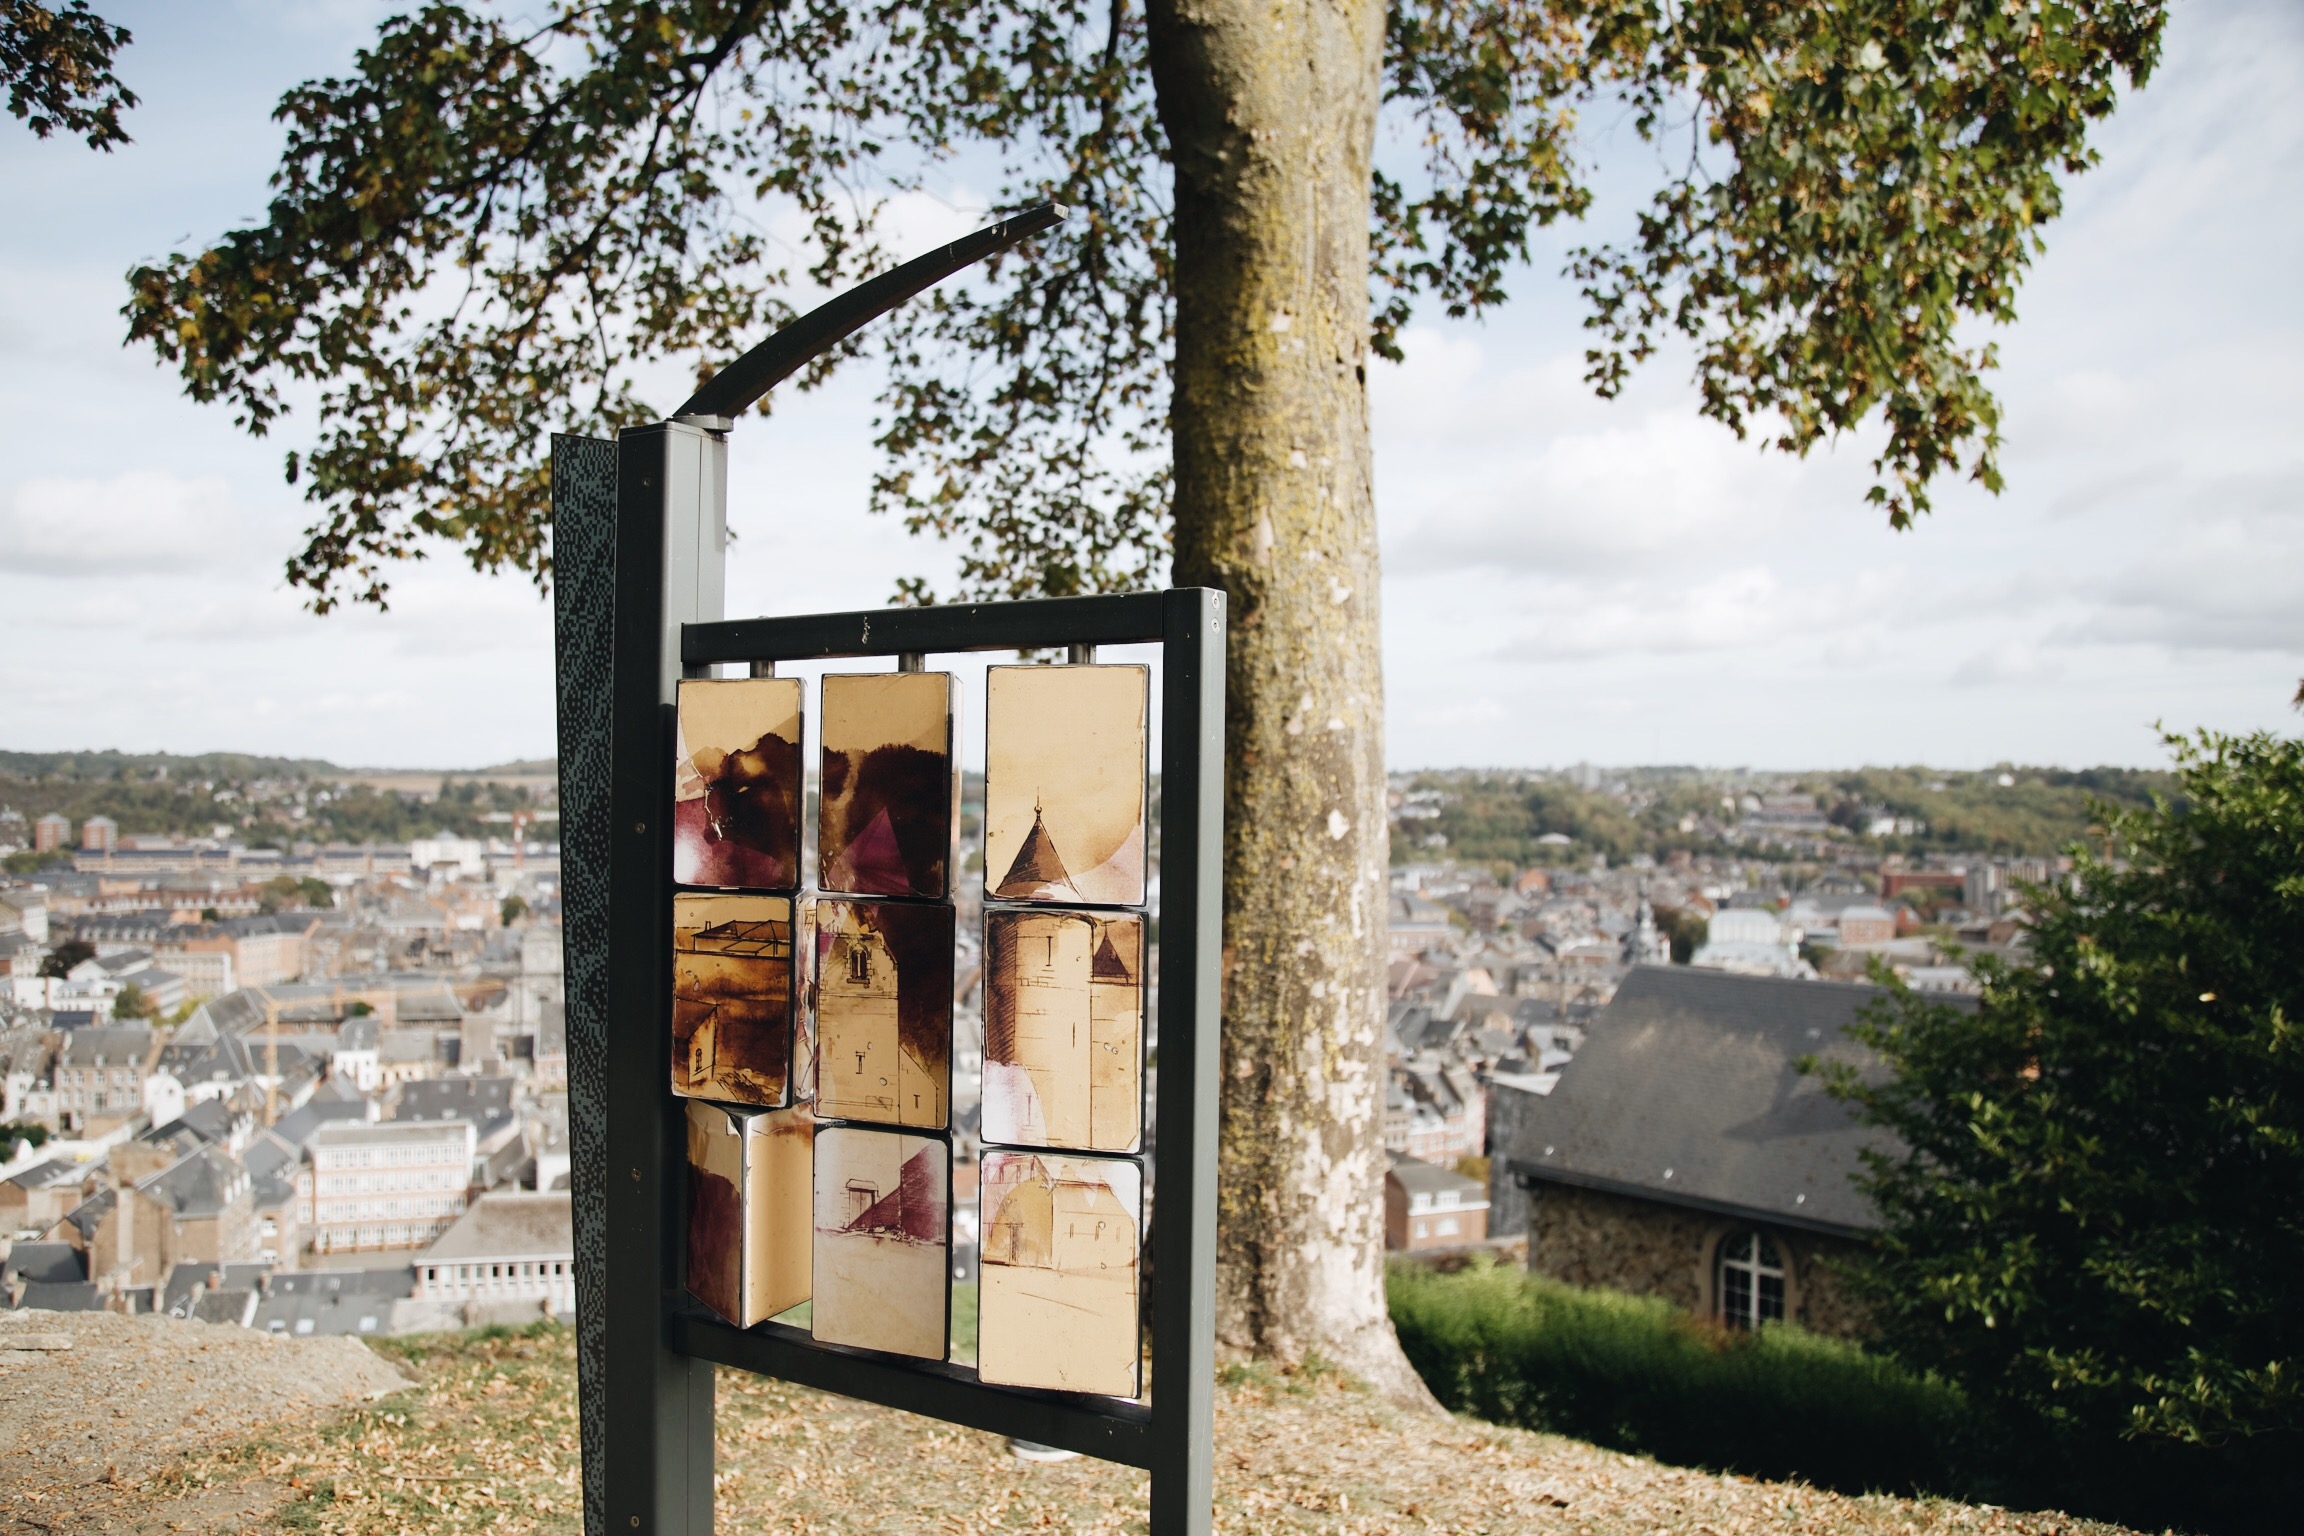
{"x": 94, "y": 1407}
{"x": 485, "y": 1440}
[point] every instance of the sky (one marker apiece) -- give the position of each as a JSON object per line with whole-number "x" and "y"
{"x": 1567, "y": 579}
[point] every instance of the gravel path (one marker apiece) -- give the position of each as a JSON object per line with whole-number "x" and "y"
{"x": 93, "y": 1404}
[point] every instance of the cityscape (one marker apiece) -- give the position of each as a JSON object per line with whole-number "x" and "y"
{"x": 613, "y": 616}
{"x": 322, "y": 1087}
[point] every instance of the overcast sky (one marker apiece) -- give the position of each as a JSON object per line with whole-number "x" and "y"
{"x": 1566, "y": 579}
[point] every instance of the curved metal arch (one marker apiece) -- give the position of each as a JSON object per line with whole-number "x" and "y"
{"x": 735, "y": 388}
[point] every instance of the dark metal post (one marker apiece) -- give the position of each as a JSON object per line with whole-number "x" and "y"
{"x": 584, "y": 635}
{"x": 671, "y": 519}
{"x": 1191, "y": 950}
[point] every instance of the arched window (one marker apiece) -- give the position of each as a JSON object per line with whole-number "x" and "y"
{"x": 1750, "y": 1280}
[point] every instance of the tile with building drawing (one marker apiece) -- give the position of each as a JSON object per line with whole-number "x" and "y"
{"x": 732, "y": 998}
{"x": 890, "y": 804}
{"x": 749, "y": 1221}
{"x": 1064, "y": 774}
{"x": 883, "y": 1244}
{"x": 1063, "y": 1029}
{"x": 1058, "y": 1305}
{"x": 883, "y": 1015}
{"x": 736, "y": 784}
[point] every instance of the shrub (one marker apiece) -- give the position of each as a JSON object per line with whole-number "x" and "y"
{"x": 2094, "y": 1227}
{"x": 1637, "y": 1374}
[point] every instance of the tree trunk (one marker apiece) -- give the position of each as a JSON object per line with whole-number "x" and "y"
{"x": 1270, "y": 110}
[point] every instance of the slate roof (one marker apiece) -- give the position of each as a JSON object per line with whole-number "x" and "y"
{"x": 201, "y": 1185}
{"x": 508, "y": 1226}
{"x": 188, "y": 1285}
{"x": 72, "y": 1296}
{"x": 49, "y": 1263}
{"x": 333, "y": 1301}
{"x": 271, "y": 1173}
{"x": 55, "y": 1171}
{"x": 210, "y": 1120}
{"x": 124, "y": 1045}
{"x": 1686, "y": 1092}
{"x": 477, "y": 1099}
{"x": 1419, "y": 1177}
{"x": 295, "y": 1128}
{"x": 86, "y": 1216}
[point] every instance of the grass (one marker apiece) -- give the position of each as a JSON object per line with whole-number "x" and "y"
{"x": 485, "y": 1441}
{"x": 1636, "y": 1374}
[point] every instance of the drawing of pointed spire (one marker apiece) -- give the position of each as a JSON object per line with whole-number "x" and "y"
{"x": 873, "y": 862}
{"x": 1037, "y": 872}
{"x": 1107, "y": 964}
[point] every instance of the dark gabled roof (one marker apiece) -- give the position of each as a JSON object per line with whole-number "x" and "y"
{"x": 1687, "y": 1092}
{"x": 89, "y": 1213}
{"x": 477, "y": 1099}
{"x": 296, "y": 1127}
{"x": 390, "y": 1284}
{"x": 333, "y": 1301}
{"x": 509, "y": 1225}
{"x": 188, "y": 1283}
{"x": 73, "y": 1296}
{"x": 45, "y": 1264}
{"x": 55, "y": 1171}
{"x": 201, "y": 1185}
{"x": 229, "y": 1305}
{"x": 1419, "y": 1177}
{"x": 109, "y": 1045}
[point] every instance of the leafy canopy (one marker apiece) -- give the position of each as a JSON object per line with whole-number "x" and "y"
{"x": 2095, "y": 1223}
{"x": 490, "y": 229}
{"x": 57, "y": 64}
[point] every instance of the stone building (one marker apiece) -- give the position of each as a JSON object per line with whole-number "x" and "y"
{"x": 1683, "y": 1153}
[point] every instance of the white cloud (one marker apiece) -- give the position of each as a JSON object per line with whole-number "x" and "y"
{"x": 2019, "y": 664}
{"x": 140, "y": 521}
{"x": 1734, "y": 610}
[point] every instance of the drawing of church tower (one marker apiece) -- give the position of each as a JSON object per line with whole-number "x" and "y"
{"x": 1037, "y": 873}
{"x": 856, "y": 1021}
{"x": 1115, "y": 1034}
{"x": 1037, "y": 1029}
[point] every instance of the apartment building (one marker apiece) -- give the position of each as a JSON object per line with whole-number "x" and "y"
{"x": 388, "y": 1184}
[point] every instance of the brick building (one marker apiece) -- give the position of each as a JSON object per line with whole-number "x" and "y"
{"x": 1428, "y": 1207}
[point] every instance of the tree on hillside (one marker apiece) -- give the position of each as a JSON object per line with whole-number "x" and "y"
{"x": 65, "y": 956}
{"x": 2095, "y": 1224}
{"x": 57, "y": 65}
{"x": 487, "y": 230}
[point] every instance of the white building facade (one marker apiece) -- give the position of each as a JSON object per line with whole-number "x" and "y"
{"x": 386, "y": 1185}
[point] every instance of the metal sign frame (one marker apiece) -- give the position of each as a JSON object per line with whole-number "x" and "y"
{"x": 639, "y": 529}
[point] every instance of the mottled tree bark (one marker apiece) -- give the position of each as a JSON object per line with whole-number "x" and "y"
{"x": 1270, "y": 108}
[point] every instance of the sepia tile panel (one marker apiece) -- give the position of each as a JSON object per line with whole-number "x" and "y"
{"x": 890, "y": 804}
{"x": 883, "y": 1016}
{"x": 883, "y": 1242}
{"x": 732, "y": 998}
{"x": 749, "y": 1209}
{"x": 1064, "y": 775}
{"x": 1064, "y": 1029}
{"x": 736, "y": 784}
{"x": 1060, "y": 1258}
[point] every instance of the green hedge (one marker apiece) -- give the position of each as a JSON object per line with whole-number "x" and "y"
{"x": 1637, "y": 1374}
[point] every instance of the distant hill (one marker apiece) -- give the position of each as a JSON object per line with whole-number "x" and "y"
{"x": 266, "y": 801}
{"x": 85, "y": 767}
{"x": 1499, "y": 816}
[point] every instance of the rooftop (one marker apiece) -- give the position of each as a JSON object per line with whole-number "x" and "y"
{"x": 509, "y": 1225}
{"x": 1688, "y": 1091}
